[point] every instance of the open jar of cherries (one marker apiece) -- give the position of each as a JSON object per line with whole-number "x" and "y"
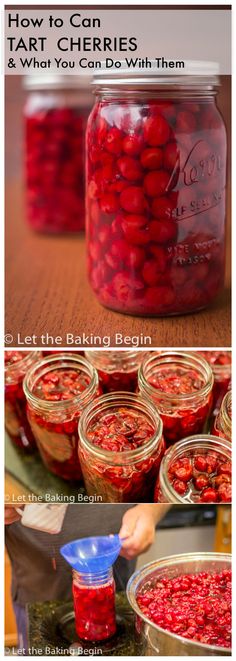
{"x": 220, "y": 362}
{"x": 196, "y": 470}
{"x": 56, "y": 113}
{"x": 156, "y": 173}
{"x": 117, "y": 370}
{"x": 180, "y": 386}
{"x": 57, "y": 389}
{"x": 17, "y": 363}
{"x": 222, "y": 425}
{"x": 120, "y": 447}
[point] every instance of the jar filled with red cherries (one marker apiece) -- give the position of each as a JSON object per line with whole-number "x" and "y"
{"x": 94, "y": 604}
{"x": 120, "y": 448}
{"x": 57, "y": 389}
{"x": 220, "y": 362}
{"x": 180, "y": 386}
{"x": 17, "y": 363}
{"x": 117, "y": 370}
{"x": 222, "y": 425}
{"x": 156, "y": 174}
{"x": 55, "y": 114}
{"x": 197, "y": 469}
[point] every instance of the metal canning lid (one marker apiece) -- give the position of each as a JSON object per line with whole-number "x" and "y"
{"x": 54, "y": 81}
{"x": 197, "y": 72}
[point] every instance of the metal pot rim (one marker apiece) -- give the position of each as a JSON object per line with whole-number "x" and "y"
{"x": 162, "y": 563}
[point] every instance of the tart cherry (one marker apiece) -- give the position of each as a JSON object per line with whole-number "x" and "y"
{"x": 109, "y": 203}
{"x": 171, "y": 156}
{"x": 162, "y": 231}
{"x": 162, "y": 207}
{"x": 152, "y": 159}
{"x": 113, "y": 141}
{"x": 132, "y": 145}
{"x": 156, "y": 183}
{"x": 201, "y": 482}
{"x": 209, "y": 495}
{"x": 132, "y": 199}
{"x": 180, "y": 486}
{"x": 156, "y": 131}
{"x": 129, "y": 168}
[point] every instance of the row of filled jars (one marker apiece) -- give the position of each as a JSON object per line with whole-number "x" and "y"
{"x": 155, "y": 193}
{"x": 133, "y": 425}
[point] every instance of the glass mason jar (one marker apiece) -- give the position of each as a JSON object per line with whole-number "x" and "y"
{"x": 156, "y": 174}
{"x": 220, "y": 362}
{"x": 55, "y": 115}
{"x": 17, "y": 363}
{"x": 222, "y": 425}
{"x": 197, "y": 469}
{"x": 57, "y": 389}
{"x": 120, "y": 448}
{"x": 94, "y": 605}
{"x": 180, "y": 386}
{"x": 117, "y": 370}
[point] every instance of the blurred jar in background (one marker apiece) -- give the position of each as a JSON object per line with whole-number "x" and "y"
{"x": 17, "y": 364}
{"x": 55, "y": 114}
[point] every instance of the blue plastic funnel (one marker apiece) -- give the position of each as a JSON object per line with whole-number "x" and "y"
{"x": 92, "y": 554}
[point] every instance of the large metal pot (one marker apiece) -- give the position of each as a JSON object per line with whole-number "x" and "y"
{"x": 154, "y": 640}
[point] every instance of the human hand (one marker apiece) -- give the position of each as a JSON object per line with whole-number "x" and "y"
{"x": 11, "y": 515}
{"x": 137, "y": 530}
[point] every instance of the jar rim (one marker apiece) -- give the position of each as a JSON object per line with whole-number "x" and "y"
{"x": 226, "y": 411}
{"x": 166, "y": 358}
{"x": 57, "y": 362}
{"x": 117, "y": 359}
{"x": 109, "y": 400}
{"x": 196, "y": 73}
{"x": 53, "y": 81}
{"x": 18, "y": 363}
{"x": 198, "y": 441}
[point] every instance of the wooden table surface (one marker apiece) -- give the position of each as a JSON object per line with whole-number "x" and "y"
{"x": 46, "y": 285}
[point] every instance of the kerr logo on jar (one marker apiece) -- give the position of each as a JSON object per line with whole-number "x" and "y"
{"x": 201, "y": 164}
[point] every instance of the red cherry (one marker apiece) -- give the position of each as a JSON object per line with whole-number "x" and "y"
{"x": 135, "y": 235}
{"x": 151, "y": 158}
{"x": 156, "y": 183}
{"x": 162, "y": 207}
{"x": 151, "y": 271}
{"x": 136, "y": 257}
{"x": 156, "y": 130}
{"x": 209, "y": 495}
{"x": 162, "y": 231}
{"x": 129, "y": 168}
{"x": 124, "y": 286}
{"x": 184, "y": 473}
{"x": 225, "y": 492}
{"x": 132, "y": 199}
{"x": 180, "y": 487}
{"x": 200, "y": 463}
{"x": 113, "y": 141}
{"x": 132, "y": 145}
{"x": 109, "y": 203}
{"x": 171, "y": 156}
{"x": 201, "y": 482}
